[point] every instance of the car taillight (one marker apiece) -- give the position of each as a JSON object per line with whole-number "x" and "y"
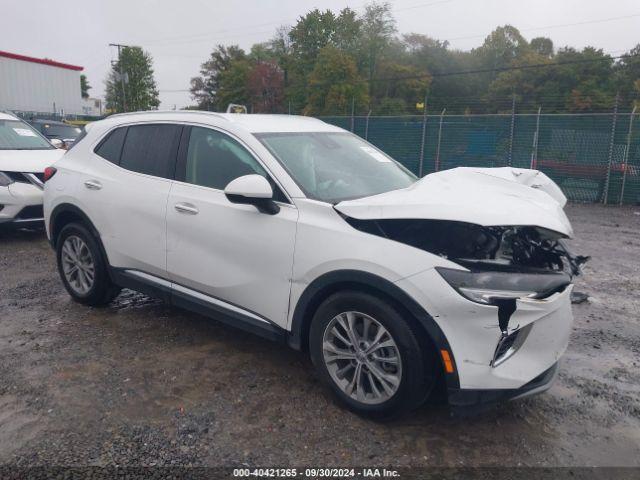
{"x": 49, "y": 172}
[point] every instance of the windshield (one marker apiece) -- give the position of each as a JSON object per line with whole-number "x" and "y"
{"x": 61, "y": 131}
{"x": 17, "y": 135}
{"x": 336, "y": 166}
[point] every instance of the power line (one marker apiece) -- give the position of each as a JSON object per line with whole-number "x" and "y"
{"x": 206, "y": 36}
{"x": 586, "y": 22}
{"x": 503, "y": 69}
{"x": 470, "y": 72}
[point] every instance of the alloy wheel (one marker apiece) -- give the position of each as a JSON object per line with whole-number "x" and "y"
{"x": 362, "y": 357}
{"x": 78, "y": 265}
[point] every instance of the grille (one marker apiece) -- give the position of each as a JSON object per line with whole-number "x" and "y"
{"x": 31, "y": 212}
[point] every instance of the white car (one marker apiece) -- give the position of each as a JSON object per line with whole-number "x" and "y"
{"x": 24, "y": 154}
{"x": 308, "y": 235}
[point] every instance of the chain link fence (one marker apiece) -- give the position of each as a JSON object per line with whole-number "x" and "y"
{"x": 593, "y": 157}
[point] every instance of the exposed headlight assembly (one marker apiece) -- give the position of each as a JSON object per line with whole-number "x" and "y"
{"x": 502, "y": 289}
{"x": 492, "y": 287}
{"x": 5, "y": 180}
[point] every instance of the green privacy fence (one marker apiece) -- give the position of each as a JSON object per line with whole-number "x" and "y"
{"x": 593, "y": 157}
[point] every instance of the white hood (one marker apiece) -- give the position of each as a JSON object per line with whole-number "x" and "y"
{"x": 484, "y": 196}
{"x": 34, "y": 161}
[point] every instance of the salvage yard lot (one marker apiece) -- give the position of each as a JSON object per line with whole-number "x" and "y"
{"x": 141, "y": 383}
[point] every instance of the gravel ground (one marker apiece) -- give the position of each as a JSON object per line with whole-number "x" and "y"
{"x": 141, "y": 383}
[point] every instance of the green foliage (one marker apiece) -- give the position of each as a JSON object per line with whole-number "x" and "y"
{"x": 84, "y": 86}
{"x": 315, "y": 65}
{"x": 214, "y": 85}
{"x": 334, "y": 83}
{"x": 378, "y": 28}
{"x": 130, "y": 85}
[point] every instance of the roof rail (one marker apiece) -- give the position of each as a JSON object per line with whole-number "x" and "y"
{"x": 145, "y": 112}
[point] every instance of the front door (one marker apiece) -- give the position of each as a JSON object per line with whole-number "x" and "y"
{"x": 224, "y": 252}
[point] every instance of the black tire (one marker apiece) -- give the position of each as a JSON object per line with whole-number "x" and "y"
{"x": 102, "y": 290}
{"x": 419, "y": 366}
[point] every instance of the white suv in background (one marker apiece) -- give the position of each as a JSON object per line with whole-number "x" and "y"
{"x": 24, "y": 154}
{"x": 308, "y": 235}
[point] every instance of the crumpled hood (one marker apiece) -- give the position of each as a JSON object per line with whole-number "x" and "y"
{"x": 484, "y": 196}
{"x": 34, "y": 161}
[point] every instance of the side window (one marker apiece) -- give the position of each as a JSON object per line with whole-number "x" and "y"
{"x": 151, "y": 149}
{"x": 110, "y": 147}
{"x": 214, "y": 159}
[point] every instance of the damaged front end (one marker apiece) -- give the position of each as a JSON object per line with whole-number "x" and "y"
{"x": 503, "y": 264}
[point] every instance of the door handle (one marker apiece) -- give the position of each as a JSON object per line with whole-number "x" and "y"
{"x": 93, "y": 184}
{"x": 187, "y": 208}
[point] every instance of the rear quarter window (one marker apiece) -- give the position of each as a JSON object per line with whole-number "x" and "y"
{"x": 151, "y": 149}
{"x": 110, "y": 147}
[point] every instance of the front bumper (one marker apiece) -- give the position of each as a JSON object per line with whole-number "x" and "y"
{"x": 470, "y": 400}
{"x": 473, "y": 334}
{"x": 21, "y": 204}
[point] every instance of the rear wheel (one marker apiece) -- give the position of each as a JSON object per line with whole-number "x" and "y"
{"x": 370, "y": 355}
{"x": 82, "y": 266}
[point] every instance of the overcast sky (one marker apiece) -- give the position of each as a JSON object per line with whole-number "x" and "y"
{"x": 180, "y": 34}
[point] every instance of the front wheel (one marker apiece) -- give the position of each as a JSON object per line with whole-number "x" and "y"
{"x": 372, "y": 357}
{"x": 82, "y": 267}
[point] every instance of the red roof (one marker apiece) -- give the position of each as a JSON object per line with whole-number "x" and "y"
{"x": 43, "y": 61}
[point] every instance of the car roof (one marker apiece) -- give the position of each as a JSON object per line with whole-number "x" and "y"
{"x": 253, "y": 123}
{"x": 50, "y": 122}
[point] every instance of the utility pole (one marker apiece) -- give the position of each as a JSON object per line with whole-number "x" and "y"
{"x": 121, "y": 73}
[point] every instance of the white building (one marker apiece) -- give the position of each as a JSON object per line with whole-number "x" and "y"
{"x": 92, "y": 106}
{"x": 39, "y": 85}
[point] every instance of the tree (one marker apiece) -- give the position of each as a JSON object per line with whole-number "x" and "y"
{"x": 233, "y": 84}
{"x": 204, "y": 88}
{"x": 311, "y": 33}
{"x": 84, "y": 86}
{"x": 628, "y": 73}
{"x": 542, "y": 46}
{"x": 399, "y": 85}
{"x": 582, "y": 82}
{"x": 130, "y": 85}
{"x": 502, "y": 47}
{"x": 266, "y": 87}
{"x": 335, "y": 84}
{"x": 378, "y": 28}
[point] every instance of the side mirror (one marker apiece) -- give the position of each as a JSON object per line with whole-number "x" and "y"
{"x": 252, "y": 190}
{"x": 56, "y": 142}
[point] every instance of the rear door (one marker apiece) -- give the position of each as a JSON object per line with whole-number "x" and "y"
{"x": 125, "y": 194}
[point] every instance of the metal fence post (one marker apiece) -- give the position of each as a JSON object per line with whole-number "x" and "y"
{"x": 605, "y": 193}
{"x": 534, "y": 149}
{"x": 625, "y": 162}
{"x": 437, "y": 165}
{"x": 353, "y": 112}
{"x": 366, "y": 127}
{"x": 424, "y": 134}
{"x": 513, "y": 125}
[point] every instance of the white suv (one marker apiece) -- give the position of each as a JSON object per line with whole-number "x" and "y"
{"x": 306, "y": 234}
{"x": 24, "y": 154}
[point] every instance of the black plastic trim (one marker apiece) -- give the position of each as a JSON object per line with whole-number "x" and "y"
{"x": 321, "y": 285}
{"x": 266, "y": 329}
{"x": 467, "y": 401}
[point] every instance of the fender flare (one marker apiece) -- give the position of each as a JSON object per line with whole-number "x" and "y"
{"x": 70, "y": 208}
{"x": 325, "y": 284}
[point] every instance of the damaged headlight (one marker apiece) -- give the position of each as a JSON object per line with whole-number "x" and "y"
{"x": 490, "y": 287}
